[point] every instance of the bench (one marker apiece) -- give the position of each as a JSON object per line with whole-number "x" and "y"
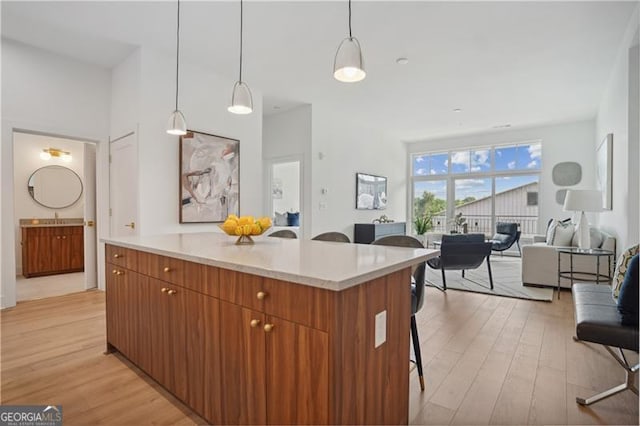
{"x": 598, "y": 321}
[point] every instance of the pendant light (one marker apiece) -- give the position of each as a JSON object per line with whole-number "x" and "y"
{"x": 177, "y": 125}
{"x": 241, "y": 99}
{"x": 348, "y": 65}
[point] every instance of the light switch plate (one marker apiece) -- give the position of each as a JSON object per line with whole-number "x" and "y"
{"x": 381, "y": 328}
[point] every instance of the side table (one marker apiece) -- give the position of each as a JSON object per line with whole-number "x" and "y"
{"x": 595, "y": 277}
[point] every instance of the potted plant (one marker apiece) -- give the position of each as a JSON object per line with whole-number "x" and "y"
{"x": 422, "y": 224}
{"x": 457, "y": 223}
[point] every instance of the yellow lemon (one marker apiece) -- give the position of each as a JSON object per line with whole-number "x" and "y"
{"x": 246, "y": 220}
{"x": 246, "y": 229}
{"x": 256, "y": 229}
{"x": 239, "y": 230}
{"x": 265, "y": 222}
{"x": 229, "y": 227}
{"x": 232, "y": 217}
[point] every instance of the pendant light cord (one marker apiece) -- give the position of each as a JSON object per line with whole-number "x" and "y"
{"x": 350, "y": 20}
{"x": 177, "y": 54}
{"x": 241, "y": 20}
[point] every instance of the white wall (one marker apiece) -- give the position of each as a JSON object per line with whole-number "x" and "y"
{"x": 341, "y": 148}
{"x": 562, "y": 142}
{"x": 204, "y": 98}
{"x": 47, "y": 93}
{"x": 26, "y": 154}
{"x": 615, "y": 115}
{"x": 287, "y": 136}
{"x": 125, "y": 96}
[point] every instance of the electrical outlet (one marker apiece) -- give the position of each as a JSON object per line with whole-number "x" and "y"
{"x": 381, "y": 328}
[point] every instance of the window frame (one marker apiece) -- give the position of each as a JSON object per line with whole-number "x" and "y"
{"x": 450, "y": 177}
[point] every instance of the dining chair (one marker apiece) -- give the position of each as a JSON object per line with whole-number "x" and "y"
{"x": 284, "y": 233}
{"x": 417, "y": 291}
{"x": 337, "y": 237}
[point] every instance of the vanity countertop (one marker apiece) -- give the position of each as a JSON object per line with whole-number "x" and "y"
{"x": 333, "y": 266}
{"x": 49, "y": 222}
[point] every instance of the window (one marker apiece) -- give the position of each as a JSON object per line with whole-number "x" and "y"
{"x": 431, "y": 164}
{"x": 487, "y": 185}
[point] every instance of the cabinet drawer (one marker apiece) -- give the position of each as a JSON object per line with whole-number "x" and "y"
{"x": 123, "y": 257}
{"x": 201, "y": 278}
{"x": 242, "y": 289}
{"x": 297, "y": 303}
{"x": 163, "y": 268}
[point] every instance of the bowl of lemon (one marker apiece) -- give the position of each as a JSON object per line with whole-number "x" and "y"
{"x": 245, "y": 227}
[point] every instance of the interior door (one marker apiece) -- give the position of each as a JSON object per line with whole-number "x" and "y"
{"x": 123, "y": 185}
{"x": 90, "y": 238}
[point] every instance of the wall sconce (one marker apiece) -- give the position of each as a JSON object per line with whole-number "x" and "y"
{"x": 47, "y": 153}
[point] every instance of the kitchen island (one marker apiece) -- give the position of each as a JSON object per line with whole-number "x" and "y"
{"x": 279, "y": 332}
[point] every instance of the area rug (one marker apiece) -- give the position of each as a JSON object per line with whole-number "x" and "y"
{"x": 507, "y": 280}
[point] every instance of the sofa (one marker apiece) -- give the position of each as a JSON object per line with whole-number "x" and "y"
{"x": 540, "y": 261}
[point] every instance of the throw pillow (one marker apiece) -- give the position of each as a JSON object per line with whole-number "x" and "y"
{"x": 293, "y": 219}
{"x": 280, "y": 219}
{"x": 560, "y": 234}
{"x": 628, "y": 299}
{"x": 595, "y": 238}
{"x": 622, "y": 264}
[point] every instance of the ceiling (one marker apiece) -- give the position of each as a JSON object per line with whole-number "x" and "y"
{"x": 517, "y": 63}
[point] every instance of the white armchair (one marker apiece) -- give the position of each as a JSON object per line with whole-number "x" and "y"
{"x": 540, "y": 262}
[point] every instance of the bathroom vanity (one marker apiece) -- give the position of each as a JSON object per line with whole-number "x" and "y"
{"x": 52, "y": 248}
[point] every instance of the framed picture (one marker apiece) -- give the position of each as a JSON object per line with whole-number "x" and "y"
{"x": 604, "y": 171}
{"x": 276, "y": 189}
{"x": 209, "y": 178}
{"x": 371, "y": 192}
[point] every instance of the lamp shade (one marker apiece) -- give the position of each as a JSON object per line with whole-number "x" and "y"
{"x": 177, "y": 125}
{"x": 348, "y": 65}
{"x": 241, "y": 99}
{"x": 583, "y": 200}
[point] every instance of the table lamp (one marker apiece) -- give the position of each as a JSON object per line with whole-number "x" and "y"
{"x": 583, "y": 200}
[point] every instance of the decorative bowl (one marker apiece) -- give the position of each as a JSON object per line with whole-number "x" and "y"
{"x": 246, "y": 231}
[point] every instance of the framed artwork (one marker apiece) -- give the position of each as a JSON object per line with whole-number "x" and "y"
{"x": 276, "y": 189}
{"x": 371, "y": 192}
{"x": 604, "y": 171}
{"x": 209, "y": 178}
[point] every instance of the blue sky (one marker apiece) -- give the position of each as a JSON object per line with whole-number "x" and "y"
{"x": 521, "y": 157}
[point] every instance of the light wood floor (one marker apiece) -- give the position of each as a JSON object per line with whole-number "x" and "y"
{"x": 48, "y": 286}
{"x": 488, "y": 360}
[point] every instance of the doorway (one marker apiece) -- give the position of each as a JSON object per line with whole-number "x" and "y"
{"x": 54, "y": 215}
{"x": 285, "y": 195}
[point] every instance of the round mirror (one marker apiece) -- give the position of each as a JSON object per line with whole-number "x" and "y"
{"x": 55, "y": 187}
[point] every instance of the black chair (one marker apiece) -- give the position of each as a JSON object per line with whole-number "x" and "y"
{"x": 599, "y": 321}
{"x": 507, "y": 234}
{"x": 417, "y": 291}
{"x": 337, "y": 237}
{"x": 462, "y": 252}
{"x": 284, "y": 233}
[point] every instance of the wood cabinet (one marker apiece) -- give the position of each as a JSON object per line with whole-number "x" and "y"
{"x": 262, "y": 351}
{"x": 49, "y": 250}
{"x": 366, "y": 233}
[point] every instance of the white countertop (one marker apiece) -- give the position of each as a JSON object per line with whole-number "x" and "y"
{"x": 333, "y": 266}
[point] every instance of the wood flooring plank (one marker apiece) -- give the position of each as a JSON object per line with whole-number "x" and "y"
{"x": 549, "y": 399}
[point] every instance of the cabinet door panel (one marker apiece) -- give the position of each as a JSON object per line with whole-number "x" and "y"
{"x": 203, "y": 355}
{"x": 297, "y": 374}
{"x": 242, "y": 366}
{"x": 143, "y": 327}
{"x": 167, "y": 325}
{"x": 117, "y": 310}
{"x": 77, "y": 251}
